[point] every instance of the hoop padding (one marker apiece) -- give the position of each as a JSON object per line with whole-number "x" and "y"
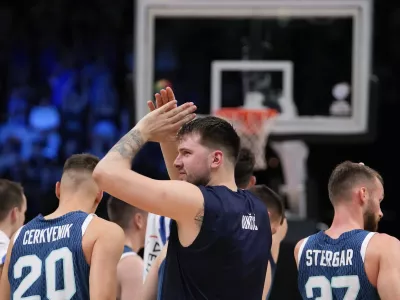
{"x": 253, "y": 126}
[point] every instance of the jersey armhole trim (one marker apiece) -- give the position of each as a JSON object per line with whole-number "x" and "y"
{"x": 86, "y": 223}
{"x": 364, "y": 245}
{"x": 301, "y": 250}
{"x": 127, "y": 254}
{"x": 17, "y": 233}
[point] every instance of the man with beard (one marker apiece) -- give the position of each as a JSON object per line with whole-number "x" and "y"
{"x": 157, "y": 231}
{"x": 219, "y": 233}
{"x": 350, "y": 260}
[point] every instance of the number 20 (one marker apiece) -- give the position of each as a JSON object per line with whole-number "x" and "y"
{"x": 35, "y": 264}
{"x": 352, "y": 283}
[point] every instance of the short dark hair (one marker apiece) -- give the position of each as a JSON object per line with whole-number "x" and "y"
{"x": 346, "y": 175}
{"x": 214, "y": 133}
{"x": 244, "y": 167}
{"x": 11, "y": 195}
{"x": 271, "y": 199}
{"x": 120, "y": 212}
{"x": 84, "y": 161}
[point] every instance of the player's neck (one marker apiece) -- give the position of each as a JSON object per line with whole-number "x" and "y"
{"x": 70, "y": 204}
{"x": 224, "y": 178}
{"x": 6, "y": 229}
{"x": 132, "y": 240}
{"x": 345, "y": 219}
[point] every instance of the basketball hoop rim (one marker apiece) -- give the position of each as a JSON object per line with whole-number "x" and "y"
{"x": 249, "y": 120}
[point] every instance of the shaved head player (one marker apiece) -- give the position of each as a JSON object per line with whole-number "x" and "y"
{"x": 219, "y": 233}
{"x": 350, "y": 260}
{"x": 69, "y": 254}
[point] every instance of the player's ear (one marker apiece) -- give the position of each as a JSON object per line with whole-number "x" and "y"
{"x": 217, "y": 157}
{"x": 99, "y": 196}
{"x": 252, "y": 182}
{"x": 273, "y": 230}
{"x": 139, "y": 220}
{"x": 363, "y": 195}
{"x": 58, "y": 189}
{"x": 14, "y": 214}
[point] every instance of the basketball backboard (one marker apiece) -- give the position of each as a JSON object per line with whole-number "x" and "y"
{"x": 315, "y": 98}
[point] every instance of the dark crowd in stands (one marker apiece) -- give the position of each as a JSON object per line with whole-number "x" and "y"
{"x": 67, "y": 87}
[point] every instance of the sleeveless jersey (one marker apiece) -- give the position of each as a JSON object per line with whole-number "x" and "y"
{"x": 228, "y": 258}
{"x": 157, "y": 234}
{"x": 127, "y": 252}
{"x": 334, "y": 268}
{"x": 160, "y": 280}
{"x": 47, "y": 259}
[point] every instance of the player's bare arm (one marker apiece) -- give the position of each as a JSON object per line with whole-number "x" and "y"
{"x": 106, "y": 253}
{"x": 130, "y": 278}
{"x": 4, "y": 283}
{"x": 296, "y": 251}
{"x": 277, "y": 239}
{"x": 276, "y": 244}
{"x": 169, "y": 147}
{"x": 151, "y": 283}
{"x": 178, "y": 200}
{"x": 389, "y": 266}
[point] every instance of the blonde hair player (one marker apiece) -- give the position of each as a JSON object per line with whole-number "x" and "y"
{"x": 71, "y": 253}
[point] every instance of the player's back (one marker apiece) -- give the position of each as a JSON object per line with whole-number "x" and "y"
{"x": 47, "y": 259}
{"x": 334, "y": 268}
{"x": 229, "y": 257}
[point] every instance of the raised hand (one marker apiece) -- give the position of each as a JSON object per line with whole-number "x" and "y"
{"x": 161, "y": 124}
{"x": 162, "y": 98}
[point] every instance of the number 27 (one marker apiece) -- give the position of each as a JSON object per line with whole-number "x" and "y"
{"x": 352, "y": 283}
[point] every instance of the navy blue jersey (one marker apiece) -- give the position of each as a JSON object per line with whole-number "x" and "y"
{"x": 228, "y": 258}
{"x": 334, "y": 268}
{"x": 47, "y": 259}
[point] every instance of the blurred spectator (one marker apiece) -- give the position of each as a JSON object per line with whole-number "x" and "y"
{"x": 64, "y": 74}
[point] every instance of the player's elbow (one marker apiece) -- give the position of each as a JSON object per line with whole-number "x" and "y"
{"x": 101, "y": 176}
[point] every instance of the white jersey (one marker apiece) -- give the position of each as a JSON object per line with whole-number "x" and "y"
{"x": 157, "y": 234}
{"x": 4, "y": 242}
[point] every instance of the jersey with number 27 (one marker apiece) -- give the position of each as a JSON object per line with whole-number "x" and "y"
{"x": 47, "y": 259}
{"x": 333, "y": 269}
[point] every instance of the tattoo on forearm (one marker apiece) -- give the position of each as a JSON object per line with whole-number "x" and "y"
{"x": 129, "y": 145}
{"x": 199, "y": 217}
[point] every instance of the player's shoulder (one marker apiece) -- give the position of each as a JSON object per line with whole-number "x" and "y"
{"x": 298, "y": 249}
{"x": 107, "y": 229}
{"x": 383, "y": 243}
{"x": 131, "y": 262}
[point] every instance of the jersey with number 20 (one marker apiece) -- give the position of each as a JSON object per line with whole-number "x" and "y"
{"x": 333, "y": 269}
{"x": 47, "y": 259}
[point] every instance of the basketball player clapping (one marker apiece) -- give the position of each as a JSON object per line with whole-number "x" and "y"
{"x": 219, "y": 233}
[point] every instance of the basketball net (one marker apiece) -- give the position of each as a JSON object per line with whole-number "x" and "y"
{"x": 253, "y": 127}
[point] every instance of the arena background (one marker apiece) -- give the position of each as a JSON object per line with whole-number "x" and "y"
{"x": 68, "y": 85}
